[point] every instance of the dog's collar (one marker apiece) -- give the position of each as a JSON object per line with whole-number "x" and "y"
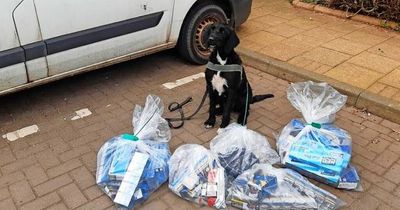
{"x": 225, "y": 68}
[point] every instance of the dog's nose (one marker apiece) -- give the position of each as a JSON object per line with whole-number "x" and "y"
{"x": 211, "y": 38}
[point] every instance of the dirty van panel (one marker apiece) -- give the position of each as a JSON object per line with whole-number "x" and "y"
{"x": 31, "y": 40}
{"x": 12, "y": 76}
{"x": 12, "y": 68}
{"x": 8, "y": 38}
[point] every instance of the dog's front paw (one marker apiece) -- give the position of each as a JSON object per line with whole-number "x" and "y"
{"x": 224, "y": 124}
{"x": 209, "y": 123}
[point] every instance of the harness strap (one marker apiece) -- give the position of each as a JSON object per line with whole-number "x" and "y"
{"x": 226, "y": 68}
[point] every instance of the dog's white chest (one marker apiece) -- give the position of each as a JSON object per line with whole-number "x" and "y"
{"x": 219, "y": 59}
{"x": 217, "y": 81}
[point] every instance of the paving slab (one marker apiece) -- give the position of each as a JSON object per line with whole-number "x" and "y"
{"x": 348, "y": 52}
{"x": 353, "y": 74}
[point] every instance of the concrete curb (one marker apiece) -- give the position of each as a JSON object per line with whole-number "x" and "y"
{"x": 381, "y": 106}
{"x": 342, "y": 14}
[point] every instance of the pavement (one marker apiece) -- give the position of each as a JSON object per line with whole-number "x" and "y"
{"x": 55, "y": 167}
{"x": 364, "y": 59}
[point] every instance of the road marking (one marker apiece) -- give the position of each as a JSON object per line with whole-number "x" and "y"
{"x": 185, "y": 80}
{"x": 21, "y": 133}
{"x": 81, "y": 114}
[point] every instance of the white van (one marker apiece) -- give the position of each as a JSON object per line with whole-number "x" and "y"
{"x": 46, "y": 40}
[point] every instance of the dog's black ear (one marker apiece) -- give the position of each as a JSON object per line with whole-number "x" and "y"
{"x": 232, "y": 42}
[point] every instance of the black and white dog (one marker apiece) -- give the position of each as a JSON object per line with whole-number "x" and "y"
{"x": 229, "y": 91}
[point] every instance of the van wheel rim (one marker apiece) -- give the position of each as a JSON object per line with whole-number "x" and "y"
{"x": 201, "y": 35}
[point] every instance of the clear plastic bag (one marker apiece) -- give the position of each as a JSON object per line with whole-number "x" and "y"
{"x": 131, "y": 167}
{"x": 239, "y": 148}
{"x": 316, "y": 147}
{"x": 265, "y": 187}
{"x": 196, "y": 175}
{"x": 148, "y": 122}
{"x": 317, "y": 102}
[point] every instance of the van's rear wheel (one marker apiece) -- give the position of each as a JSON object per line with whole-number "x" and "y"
{"x": 192, "y": 41}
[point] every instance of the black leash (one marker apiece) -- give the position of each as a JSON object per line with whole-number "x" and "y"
{"x": 179, "y": 106}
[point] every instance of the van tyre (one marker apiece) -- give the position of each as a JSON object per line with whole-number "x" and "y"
{"x": 192, "y": 40}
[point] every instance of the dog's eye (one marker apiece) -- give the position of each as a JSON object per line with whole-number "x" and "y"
{"x": 221, "y": 30}
{"x": 212, "y": 27}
